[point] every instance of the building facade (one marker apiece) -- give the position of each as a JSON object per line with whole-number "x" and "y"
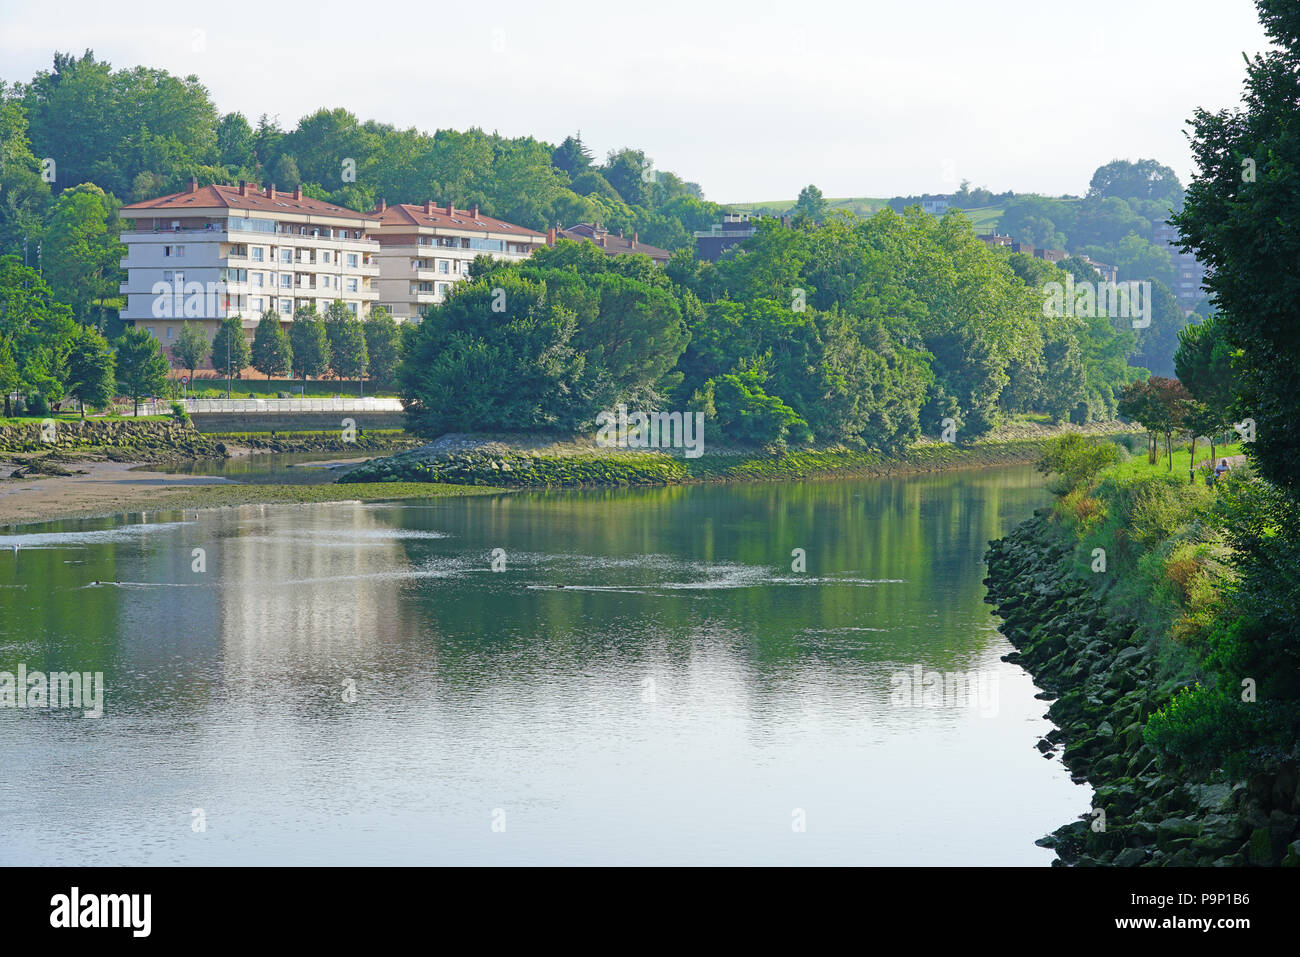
{"x": 424, "y": 249}
{"x": 1189, "y": 274}
{"x": 212, "y": 252}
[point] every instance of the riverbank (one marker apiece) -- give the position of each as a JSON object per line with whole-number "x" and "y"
{"x": 99, "y": 489}
{"x": 1107, "y": 674}
{"x": 532, "y": 461}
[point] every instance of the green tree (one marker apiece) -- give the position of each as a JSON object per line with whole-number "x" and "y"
{"x": 9, "y": 380}
{"x": 810, "y": 206}
{"x": 191, "y": 348}
{"x": 383, "y": 344}
{"x": 309, "y": 343}
{"x": 572, "y": 156}
{"x": 1203, "y": 363}
{"x": 91, "y": 369}
{"x": 230, "y": 352}
{"x": 82, "y": 250}
{"x": 141, "y": 367}
{"x": 347, "y": 339}
{"x": 272, "y": 355}
{"x": 36, "y": 327}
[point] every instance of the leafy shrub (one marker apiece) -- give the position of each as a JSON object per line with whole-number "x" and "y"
{"x": 179, "y": 414}
{"x": 1076, "y": 460}
{"x": 37, "y": 404}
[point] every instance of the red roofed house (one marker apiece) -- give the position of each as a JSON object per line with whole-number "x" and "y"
{"x": 424, "y": 249}
{"x": 212, "y": 252}
{"x": 608, "y": 243}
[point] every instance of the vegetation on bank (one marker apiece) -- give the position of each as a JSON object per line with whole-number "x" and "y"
{"x": 1125, "y": 601}
{"x": 846, "y": 332}
{"x": 498, "y": 463}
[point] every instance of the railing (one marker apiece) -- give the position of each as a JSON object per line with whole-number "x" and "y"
{"x": 308, "y": 404}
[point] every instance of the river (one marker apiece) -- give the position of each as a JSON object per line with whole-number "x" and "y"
{"x": 635, "y": 676}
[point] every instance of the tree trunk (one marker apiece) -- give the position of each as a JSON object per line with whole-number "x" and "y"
{"x": 82, "y": 403}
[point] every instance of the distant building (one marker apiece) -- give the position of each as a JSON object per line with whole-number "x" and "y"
{"x": 997, "y": 240}
{"x": 213, "y": 252}
{"x": 1108, "y": 273}
{"x": 424, "y": 249}
{"x": 936, "y": 205}
{"x": 1051, "y": 255}
{"x": 1189, "y": 274}
{"x": 735, "y": 228}
{"x": 609, "y": 243}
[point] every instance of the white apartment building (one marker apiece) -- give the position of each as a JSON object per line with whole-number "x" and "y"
{"x": 216, "y": 251}
{"x": 424, "y": 249}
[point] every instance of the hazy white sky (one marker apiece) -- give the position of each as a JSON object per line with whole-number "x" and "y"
{"x": 750, "y": 98}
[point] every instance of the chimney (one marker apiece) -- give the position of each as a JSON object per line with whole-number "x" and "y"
{"x": 550, "y": 236}
{"x": 270, "y": 191}
{"x": 297, "y": 191}
{"x": 381, "y": 205}
{"x": 451, "y": 210}
{"x": 243, "y": 187}
{"x": 473, "y": 211}
{"x": 428, "y": 207}
{"x": 194, "y": 185}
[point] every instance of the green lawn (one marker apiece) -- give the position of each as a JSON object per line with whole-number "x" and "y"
{"x": 1137, "y": 465}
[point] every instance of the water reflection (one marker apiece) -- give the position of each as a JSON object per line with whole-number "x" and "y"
{"x": 645, "y": 678}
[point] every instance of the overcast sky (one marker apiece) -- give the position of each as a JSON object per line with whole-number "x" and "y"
{"x": 751, "y": 99}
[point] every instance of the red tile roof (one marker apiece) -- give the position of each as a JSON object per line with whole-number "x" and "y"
{"x": 406, "y": 214}
{"x": 229, "y": 197}
{"x": 612, "y": 244}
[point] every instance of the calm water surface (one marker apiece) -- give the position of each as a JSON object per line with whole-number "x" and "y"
{"x": 684, "y": 697}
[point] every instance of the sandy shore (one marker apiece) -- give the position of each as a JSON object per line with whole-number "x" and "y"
{"x": 106, "y": 488}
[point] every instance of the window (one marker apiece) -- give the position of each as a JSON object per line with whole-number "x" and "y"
{"x": 352, "y": 285}
{"x": 442, "y": 266}
{"x": 180, "y": 251}
{"x": 170, "y": 330}
{"x": 167, "y": 250}
{"x": 286, "y": 306}
{"x": 149, "y": 329}
{"x": 257, "y": 254}
{"x": 258, "y": 278}
{"x": 257, "y": 305}
{"x": 286, "y": 280}
{"x": 352, "y": 260}
{"x": 325, "y": 256}
{"x": 286, "y": 255}
{"x": 442, "y": 288}
{"x": 352, "y": 308}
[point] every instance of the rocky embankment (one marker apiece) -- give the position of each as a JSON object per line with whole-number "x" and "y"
{"x": 36, "y": 450}
{"x": 1104, "y": 682}
{"x": 365, "y": 440}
